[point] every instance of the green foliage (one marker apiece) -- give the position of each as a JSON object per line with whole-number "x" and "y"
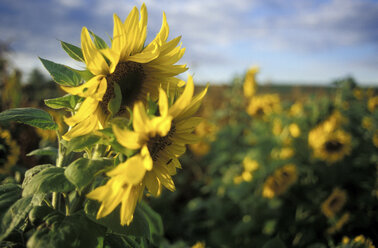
{"x": 30, "y": 116}
{"x": 62, "y": 74}
{"x": 47, "y": 180}
{"x": 82, "y": 172}
{"x": 73, "y": 51}
{"x": 68, "y": 102}
{"x": 115, "y": 103}
{"x": 80, "y": 143}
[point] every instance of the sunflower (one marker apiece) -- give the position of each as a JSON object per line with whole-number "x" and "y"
{"x": 373, "y": 103}
{"x": 9, "y": 152}
{"x": 294, "y": 130}
{"x": 360, "y": 240}
{"x": 339, "y": 224}
{"x": 206, "y": 131}
{"x": 328, "y": 141}
{"x": 333, "y": 204}
{"x": 250, "y": 85}
{"x": 263, "y": 105}
{"x": 161, "y": 140}
{"x": 129, "y": 66}
{"x": 280, "y": 181}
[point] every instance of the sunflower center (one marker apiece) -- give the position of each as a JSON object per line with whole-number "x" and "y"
{"x": 158, "y": 143}
{"x": 4, "y": 149}
{"x": 334, "y": 203}
{"x": 333, "y": 146}
{"x": 129, "y": 76}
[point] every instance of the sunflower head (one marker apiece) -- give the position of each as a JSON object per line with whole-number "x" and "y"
{"x": 125, "y": 73}
{"x": 9, "y": 152}
{"x": 280, "y": 181}
{"x": 334, "y": 203}
{"x": 250, "y": 85}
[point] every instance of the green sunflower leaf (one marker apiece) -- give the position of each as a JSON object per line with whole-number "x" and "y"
{"x": 46, "y": 151}
{"x": 154, "y": 221}
{"x": 9, "y": 194}
{"x": 274, "y": 243}
{"x": 73, "y": 51}
{"x": 68, "y": 101}
{"x": 80, "y": 143}
{"x": 17, "y": 213}
{"x": 86, "y": 75}
{"x": 30, "y": 116}
{"x": 66, "y": 231}
{"x": 61, "y": 74}
{"x": 99, "y": 42}
{"x": 115, "y": 103}
{"x": 139, "y": 227}
{"x": 51, "y": 179}
{"x": 82, "y": 171}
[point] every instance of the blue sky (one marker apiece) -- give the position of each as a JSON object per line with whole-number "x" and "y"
{"x": 293, "y": 41}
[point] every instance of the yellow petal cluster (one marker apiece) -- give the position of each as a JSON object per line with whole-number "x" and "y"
{"x": 160, "y": 140}
{"x": 250, "y": 85}
{"x": 9, "y": 150}
{"x": 334, "y": 203}
{"x": 264, "y": 105}
{"x": 138, "y": 69}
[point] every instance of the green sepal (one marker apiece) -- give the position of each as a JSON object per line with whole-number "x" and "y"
{"x": 73, "y": 51}
{"x": 81, "y": 172}
{"x": 80, "y": 143}
{"x": 67, "y": 101}
{"x": 152, "y": 107}
{"x": 46, "y": 151}
{"x": 139, "y": 227}
{"x": 86, "y": 75}
{"x": 62, "y": 231}
{"x": 61, "y": 74}
{"x": 51, "y": 179}
{"x": 115, "y": 103}
{"x": 99, "y": 42}
{"x": 30, "y": 116}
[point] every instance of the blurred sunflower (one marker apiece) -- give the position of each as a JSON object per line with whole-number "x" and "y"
{"x": 294, "y": 130}
{"x": 161, "y": 141}
{"x": 280, "y": 181}
{"x": 359, "y": 240}
{"x": 375, "y": 138}
{"x": 130, "y": 66}
{"x": 250, "y": 85}
{"x": 339, "y": 224}
{"x": 9, "y": 152}
{"x": 296, "y": 109}
{"x": 199, "y": 245}
{"x": 262, "y": 105}
{"x": 373, "y": 103}
{"x": 328, "y": 141}
{"x": 249, "y": 167}
{"x": 333, "y": 204}
{"x": 206, "y": 131}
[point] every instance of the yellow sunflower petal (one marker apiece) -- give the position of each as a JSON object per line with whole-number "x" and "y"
{"x": 82, "y": 128}
{"x": 163, "y": 102}
{"x": 86, "y": 109}
{"x": 127, "y": 138}
{"x": 132, "y": 170}
{"x": 147, "y": 160}
{"x": 86, "y": 89}
{"x": 141, "y": 122}
{"x": 93, "y": 58}
{"x": 152, "y": 183}
{"x": 184, "y": 100}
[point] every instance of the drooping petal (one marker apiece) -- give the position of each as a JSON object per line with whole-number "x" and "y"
{"x": 86, "y": 109}
{"x": 147, "y": 160}
{"x": 141, "y": 122}
{"x": 127, "y": 138}
{"x": 132, "y": 170}
{"x": 184, "y": 100}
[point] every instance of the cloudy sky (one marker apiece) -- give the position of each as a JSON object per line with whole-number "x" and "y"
{"x": 312, "y": 41}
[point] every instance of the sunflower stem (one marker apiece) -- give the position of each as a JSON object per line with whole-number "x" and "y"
{"x": 59, "y": 163}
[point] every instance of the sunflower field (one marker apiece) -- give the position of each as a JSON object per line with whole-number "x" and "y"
{"x": 125, "y": 153}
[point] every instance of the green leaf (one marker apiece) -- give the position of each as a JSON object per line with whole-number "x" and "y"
{"x": 30, "y": 116}
{"x": 274, "y": 243}
{"x": 66, "y": 231}
{"x": 115, "y": 103}
{"x": 38, "y": 213}
{"x": 73, "y": 51}
{"x": 138, "y": 227}
{"x": 68, "y": 101}
{"x": 154, "y": 221}
{"x": 17, "y": 213}
{"x": 48, "y": 180}
{"x": 82, "y": 171}
{"x": 78, "y": 144}
{"x": 61, "y": 74}
{"x": 99, "y": 42}
{"x": 9, "y": 194}
{"x": 86, "y": 75}
{"x": 46, "y": 151}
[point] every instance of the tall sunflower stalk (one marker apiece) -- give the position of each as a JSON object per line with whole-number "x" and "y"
{"x": 129, "y": 121}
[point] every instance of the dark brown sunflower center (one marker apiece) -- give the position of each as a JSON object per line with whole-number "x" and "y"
{"x": 129, "y": 76}
{"x": 333, "y": 146}
{"x": 334, "y": 202}
{"x": 4, "y": 150}
{"x": 158, "y": 143}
